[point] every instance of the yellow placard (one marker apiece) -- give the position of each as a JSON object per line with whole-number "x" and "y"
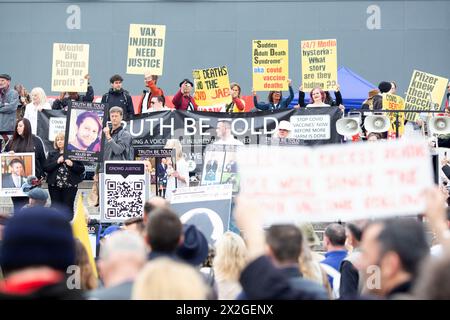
{"x": 70, "y": 66}
{"x": 212, "y": 86}
{"x": 146, "y": 49}
{"x": 394, "y": 102}
{"x": 319, "y": 64}
{"x": 425, "y": 92}
{"x": 270, "y": 61}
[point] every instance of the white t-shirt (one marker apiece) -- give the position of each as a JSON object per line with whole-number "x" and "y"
{"x": 183, "y": 169}
{"x": 31, "y": 114}
{"x": 229, "y": 141}
{"x": 317, "y": 105}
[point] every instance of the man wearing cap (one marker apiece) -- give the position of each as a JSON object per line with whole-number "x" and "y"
{"x": 37, "y": 197}
{"x": 37, "y": 252}
{"x": 183, "y": 100}
{"x": 9, "y": 100}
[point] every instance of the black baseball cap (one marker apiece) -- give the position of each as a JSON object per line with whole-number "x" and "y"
{"x": 5, "y": 76}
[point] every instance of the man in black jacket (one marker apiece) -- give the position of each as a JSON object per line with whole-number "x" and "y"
{"x": 117, "y": 96}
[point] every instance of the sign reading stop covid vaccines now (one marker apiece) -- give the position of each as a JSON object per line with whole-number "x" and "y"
{"x": 146, "y": 49}
{"x": 70, "y": 66}
{"x": 319, "y": 64}
{"x": 270, "y": 63}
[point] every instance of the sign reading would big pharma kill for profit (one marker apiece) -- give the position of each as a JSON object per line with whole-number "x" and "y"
{"x": 212, "y": 86}
{"x": 70, "y": 66}
{"x": 270, "y": 61}
{"x": 425, "y": 92}
{"x": 146, "y": 49}
{"x": 319, "y": 64}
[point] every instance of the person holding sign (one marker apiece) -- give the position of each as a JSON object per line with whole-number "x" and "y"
{"x": 276, "y": 100}
{"x": 24, "y": 140}
{"x": 155, "y": 91}
{"x": 328, "y": 99}
{"x": 237, "y": 104}
{"x": 183, "y": 100}
{"x": 318, "y": 97}
{"x": 66, "y": 97}
{"x": 64, "y": 175}
{"x": 118, "y": 139}
{"x": 88, "y": 133}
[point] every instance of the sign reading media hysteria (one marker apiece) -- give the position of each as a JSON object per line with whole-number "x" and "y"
{"x": 319, "y": 64}
{"x": 425, "y": 92}
{"x": 70, "y": 66}
{"x": 270, "y": 63}
{"x": 196, "y": 130}
{"x": 146, "y": 49}
{"x": 122, "y": 189}
{"x": 84, "y": 132}
{"x": 212, "y": 86}
{"x": 338, "y": 182}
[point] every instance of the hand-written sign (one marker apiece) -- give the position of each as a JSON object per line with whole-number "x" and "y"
{"x": 146, "y": 49}
{"x": 319, "y": 64}
{"x": 70, "y": 66}
{"x": 270, "y": 62}
{"x": 343, "y": 182}
{"x": 394, "y": 102}
{"x": 425, "y": 92}
{"x": 212, "y": 86}
{"x": 311, "y": 127}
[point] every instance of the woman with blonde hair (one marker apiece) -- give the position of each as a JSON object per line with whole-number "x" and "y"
{"x": 88, "y": 280}
{"x": 178, "y": 175}
{"x": 63, "y": 176}
{"x": 228, "y": 263}
{"x": 38, "y": 103}
{"x": 167, "y": 279}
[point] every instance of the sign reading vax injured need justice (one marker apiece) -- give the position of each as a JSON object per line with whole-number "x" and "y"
{"x": 146, "y": 49}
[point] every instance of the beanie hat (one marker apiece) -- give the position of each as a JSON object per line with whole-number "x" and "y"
{"x": 37, "y": 236}
{"x": 194, "y": 249}
{"x": 384, "y": 86}
{"x": 187, "y": 81}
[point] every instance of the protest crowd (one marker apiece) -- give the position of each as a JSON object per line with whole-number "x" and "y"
{"x": 45, "y": 252}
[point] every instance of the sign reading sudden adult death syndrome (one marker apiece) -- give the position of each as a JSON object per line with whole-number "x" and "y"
{"x": 319, "y": 64}
{"x": 394, "y": 102}
{"x": 425, "y": 92}
{"x": 206, "y": 207}
{"x": 122, "y": 190}
{"x": 337, "y": 182}
{"x": 70, "y": 65}
{"x": 212, "y": 86}
{"x": 146, "y": 49}
{"x": 270, "y": 63}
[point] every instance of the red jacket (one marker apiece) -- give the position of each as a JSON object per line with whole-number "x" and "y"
{"x": 181, "y": 102}
{"x": 154, "y": 92}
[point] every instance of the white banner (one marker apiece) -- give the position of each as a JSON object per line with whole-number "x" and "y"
{"x": 339, "y": 182}
{"x": 313, "y": 127}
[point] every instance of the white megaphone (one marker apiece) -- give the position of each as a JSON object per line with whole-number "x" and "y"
{"x": 439, "y": 125}
{"x": 348, "y": 127}
{"x": 377, "y": 123}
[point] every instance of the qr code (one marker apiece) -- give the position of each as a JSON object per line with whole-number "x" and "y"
{"x": 124, "y": 199}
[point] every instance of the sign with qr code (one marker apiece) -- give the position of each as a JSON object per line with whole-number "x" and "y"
{"x": 123, "y": 190}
